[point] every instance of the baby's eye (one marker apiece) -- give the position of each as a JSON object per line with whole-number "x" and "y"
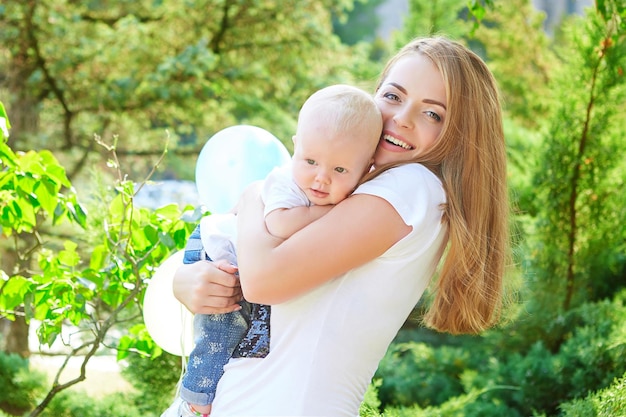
{"x": 433, "y": 115}
{"x": 340, "y": 170}
{"x": 310, "y": 161}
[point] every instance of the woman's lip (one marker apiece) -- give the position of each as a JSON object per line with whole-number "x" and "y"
{"x": 397, "y": 141}
{"x": 390, "y": 147}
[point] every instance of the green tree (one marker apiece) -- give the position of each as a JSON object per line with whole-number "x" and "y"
{"x": 93, "y": 297}
{"x": 434, "y": 18}
{"x": 133, "y": 69}
{"x": 580, "y": 233}
{"x": 564, "y": 97}
{"x": 359, "y": 23}
{"x": 520, "y": 55}
{"x": 129, "y": 71}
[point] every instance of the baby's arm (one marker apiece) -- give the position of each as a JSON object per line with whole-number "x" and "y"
{"x": 283, "y": 223}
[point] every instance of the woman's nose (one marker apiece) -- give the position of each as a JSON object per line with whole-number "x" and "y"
{"x": 403, "y": 118}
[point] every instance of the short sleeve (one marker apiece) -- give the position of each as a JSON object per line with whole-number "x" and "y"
{"x": 280, "y": 191}
{"x": 412, "y": 189}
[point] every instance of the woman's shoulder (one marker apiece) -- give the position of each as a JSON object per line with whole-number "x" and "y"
{"x": 410, "y": 188}
{"x": 413, "y": 176}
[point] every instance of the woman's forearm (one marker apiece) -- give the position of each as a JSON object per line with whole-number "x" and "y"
{"x": 273, "y": 271}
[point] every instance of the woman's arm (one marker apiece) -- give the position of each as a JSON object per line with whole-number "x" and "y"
{"x": 207, "y": 287}
{"x": 357, "y": 230}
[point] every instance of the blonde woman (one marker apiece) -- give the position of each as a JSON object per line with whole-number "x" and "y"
{"x": 342, "y": 287}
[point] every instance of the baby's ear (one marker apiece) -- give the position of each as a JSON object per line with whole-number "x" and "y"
{"x": 293, "y": 139}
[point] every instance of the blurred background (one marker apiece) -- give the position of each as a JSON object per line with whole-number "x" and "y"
{"x": 111, "y": 101}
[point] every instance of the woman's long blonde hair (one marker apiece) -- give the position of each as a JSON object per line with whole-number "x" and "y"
{"x": 470, "y": 159}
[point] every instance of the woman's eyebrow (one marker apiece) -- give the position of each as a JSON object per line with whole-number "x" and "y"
{"x": 399, "y": 87}
{"x": 435, "y": 102}
{"x": 426, "y": 100}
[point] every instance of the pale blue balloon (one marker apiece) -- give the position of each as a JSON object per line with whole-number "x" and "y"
{"x": 232, "y": 159}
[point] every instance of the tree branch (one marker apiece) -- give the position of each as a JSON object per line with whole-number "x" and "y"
{"x": 51, "y": 81}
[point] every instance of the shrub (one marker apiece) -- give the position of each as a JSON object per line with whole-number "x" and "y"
{"x": 154, "y": 380}
{"x": 589, "y": 359}
{"x": 415, "y": 373}
{"x": 73, "y": 403}
{"x": 609, "y": 402}
{"x": 19, "y": 387}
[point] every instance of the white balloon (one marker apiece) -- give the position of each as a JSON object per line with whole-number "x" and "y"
{"x": 232, "y": 159}
{"x": 168, "y": 321}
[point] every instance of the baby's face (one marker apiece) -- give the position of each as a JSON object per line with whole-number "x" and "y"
{"x": 327, "y": 165}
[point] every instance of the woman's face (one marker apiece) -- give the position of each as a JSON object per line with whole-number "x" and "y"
{"x": 412, "y": 100}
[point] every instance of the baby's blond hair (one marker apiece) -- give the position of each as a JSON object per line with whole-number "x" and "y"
{"x": 345, "y": 109}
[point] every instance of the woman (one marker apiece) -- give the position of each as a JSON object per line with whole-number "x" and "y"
{"x": 341, "y": 288}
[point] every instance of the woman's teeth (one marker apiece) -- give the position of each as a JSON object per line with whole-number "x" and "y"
{"x": 397, "y": 142}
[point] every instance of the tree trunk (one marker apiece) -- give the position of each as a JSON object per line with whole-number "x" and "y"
{"x": 17, "y": 337}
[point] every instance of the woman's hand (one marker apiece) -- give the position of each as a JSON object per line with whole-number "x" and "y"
{"x": 208, "y": 287}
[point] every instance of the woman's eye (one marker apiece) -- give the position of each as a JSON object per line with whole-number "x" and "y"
{"x": 391, "y": 96}
{"x": 340, "y": 170}
{"x": 433, "y": 115}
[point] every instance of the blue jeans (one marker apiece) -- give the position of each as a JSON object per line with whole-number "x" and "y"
{"x": 216, "y": 336}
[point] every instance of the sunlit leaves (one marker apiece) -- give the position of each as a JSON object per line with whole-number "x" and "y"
{"x": 14, "y": 289}
{"x": 87, "y": 288}
{"x": 581, "y": 168}
{"x": 143, "y": 66}
{"x": 34, "y": 184}
{"x": 477, "y": 10}
{"x": 137, "y": 340}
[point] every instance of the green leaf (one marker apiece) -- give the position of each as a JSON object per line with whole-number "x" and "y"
{"x": 68, "y": 256}
{"x": 46, "y": 195}
{"x": 26, "y": 214}
{"x": 98, "y": 257}
{"x": 13, "y": 292}
{"x": 5, "y": 126}
{"x": 76, "y": 212}
{"x": 7, "y": 157}
{"x": 53, "y": 169}
{"x": 169, "y": 212}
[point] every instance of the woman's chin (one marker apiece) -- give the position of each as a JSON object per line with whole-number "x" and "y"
{"x": 384, "y": 157}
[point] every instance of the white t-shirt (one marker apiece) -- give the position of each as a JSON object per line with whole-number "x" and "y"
{"x": 326, "y": 345}
{"x": 281, "y": 192}
{"x": 218, "y": 232}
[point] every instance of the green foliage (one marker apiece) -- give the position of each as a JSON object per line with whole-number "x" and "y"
{"x": 433, "y": 18}
{"x": 494, "y": 375}
{"x": 128, "y": 67}
{"x": 95, "y": 296}
{"x": 355, "y": 25}
{"x": 371, "y": 404}
{"x": 5, "y": 126}
{"x": 31, "y": 186}
{"x": 77, "y": 403}
{"x": 19, "y": 387}
{"x": 415, "y": 373}
{"x": 580, "y": 232}
{"x": 465, "y": 405}
{"x": 589, "y": 359}
{"x": 154, "y": 380}
{"x": 609, "y": 402}
{"x": 519, "y": 54}
{"x": 137, "y": 68}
